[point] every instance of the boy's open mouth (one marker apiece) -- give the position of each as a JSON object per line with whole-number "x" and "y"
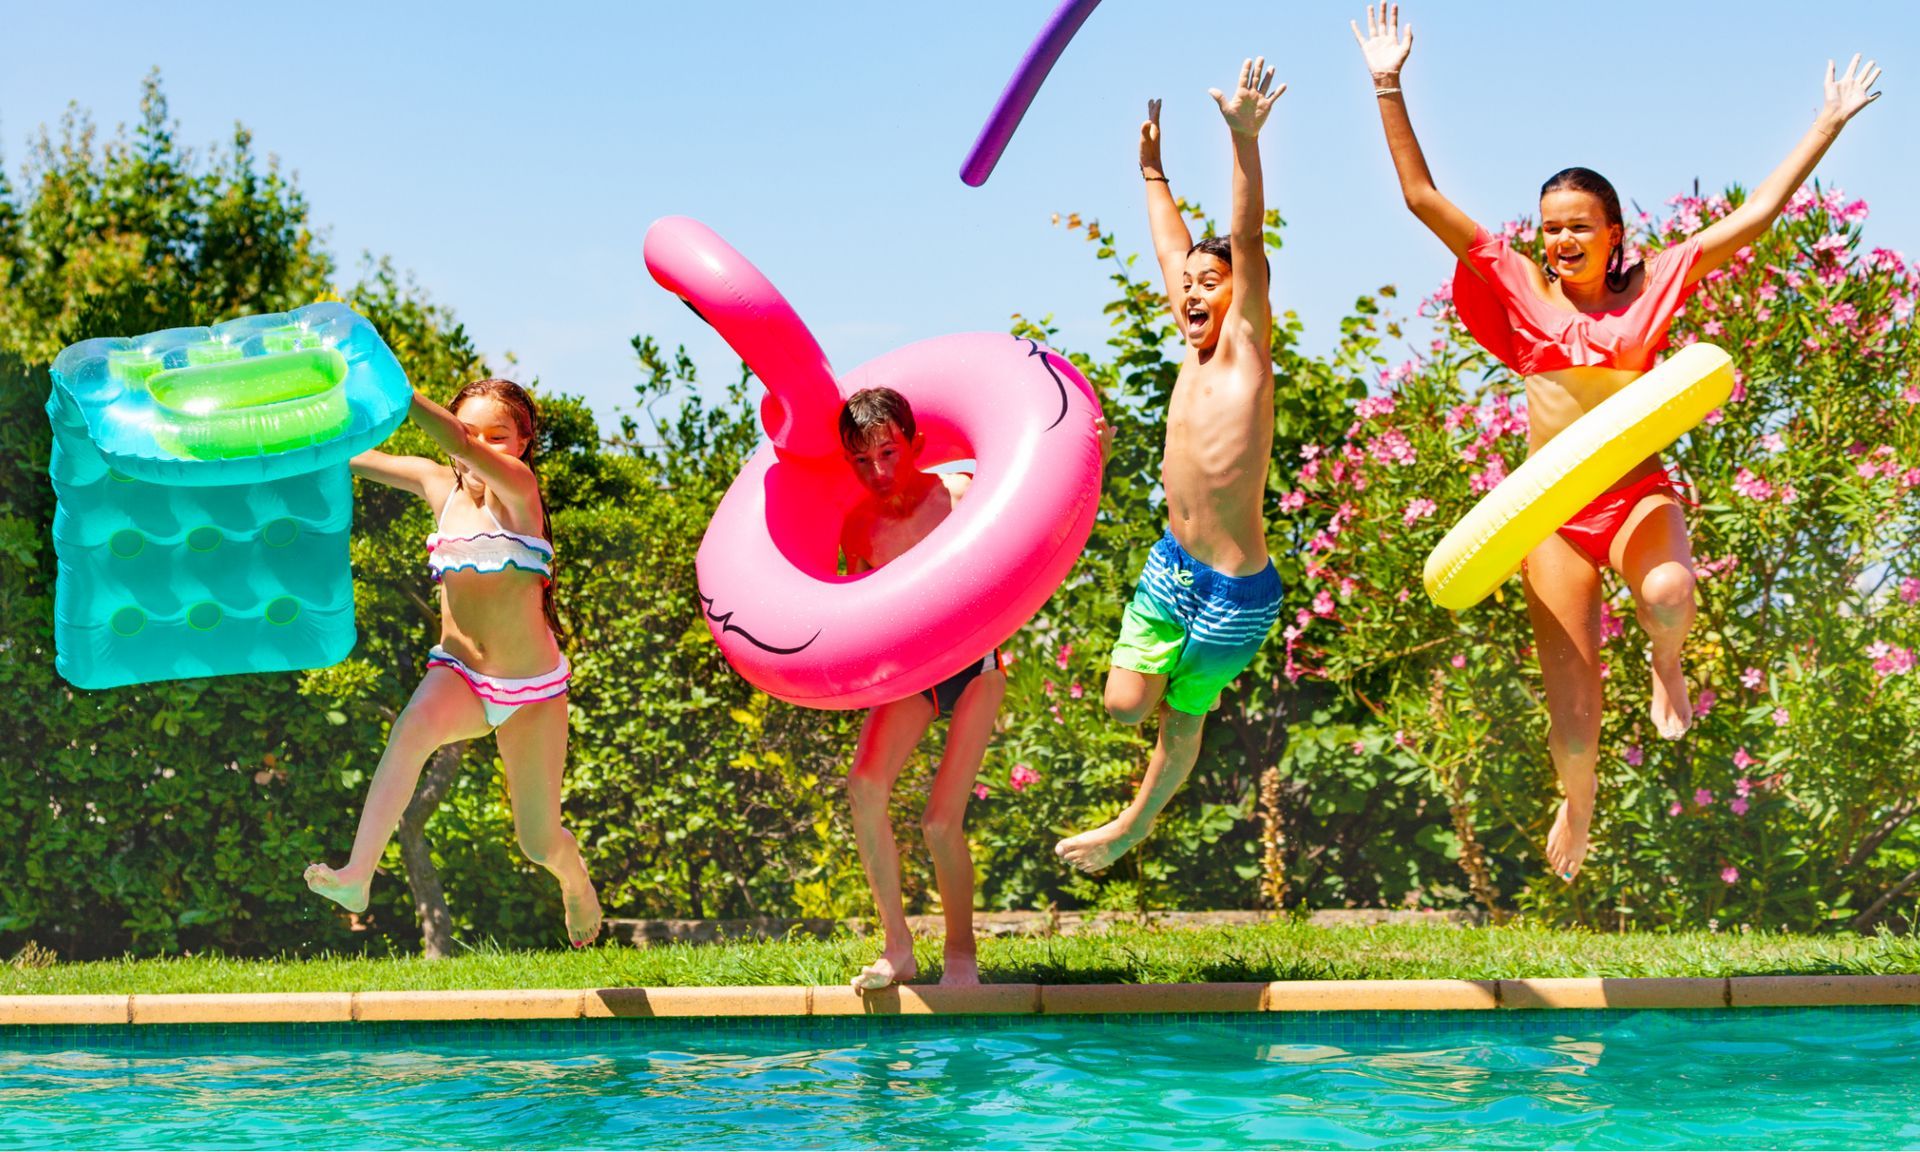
{"x": 1196, "y": 319}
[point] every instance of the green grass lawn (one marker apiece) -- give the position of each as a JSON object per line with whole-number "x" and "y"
{"x": 1282, "y": 950}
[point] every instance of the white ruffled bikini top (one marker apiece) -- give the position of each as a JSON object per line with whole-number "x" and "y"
{"x": 494, "y": 551}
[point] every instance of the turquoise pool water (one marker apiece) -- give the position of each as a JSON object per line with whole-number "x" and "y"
{"x": 1761, "y": 1079}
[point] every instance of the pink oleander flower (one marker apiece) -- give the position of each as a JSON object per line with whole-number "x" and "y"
{"x": 1021, "y": 776}
{"x": 1488, "y": 480}
{"x": 1372, "y": 406}
{"x": 1889, "y": 660}
{"x": 1611, "y": 625}
{"x": 1392, "y": 447}
{"x": 1830, "y": 245}
{"x": 1418, "y": 509}
{"x": 1715, "y": 416}
{"x": 1867, "y": 469}
{"x": 1076, "y": 691}
{"x": 1743, "y": 786}
{"x": 1065, "y": 654}
{"x": 980, "y": 791}
{"x": 1844, "y": 314}
{"x": 1773, "y": 442}
{"x": 1744, "y": 760}
{"x": 1348, "y": 586}
{"x": 1739, "y": 805}
{"x": 1293, "y": 501}
{"x": 1910, "y": 590}
{"x": 1635, "y": 755}
{"x": 1459, "y": 660}
{"x": 1729, "y": 875}
{"x": 1359, "y": 747}
{"x": 1402, "y": 596}
{"x": 1401, "y": 739}
{"x": 1323, "y": 603}
{"x": 1702, "y": 798}
{"x": 1780, "y": 717}
{"x": 1606, "y": 670}
{"x": 1046, "y": 687}
{"x": 1751, "y": 678}
{"x": 1704, "y": 705}
{"x": 1750, "y": 485}
{"x": 1675, "y": 808}
{"x": 1712, "y": 328}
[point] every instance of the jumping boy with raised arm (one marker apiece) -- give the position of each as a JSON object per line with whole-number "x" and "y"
{"x": 1209, "y": 594}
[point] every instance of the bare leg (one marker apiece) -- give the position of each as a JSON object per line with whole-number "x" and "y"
{"x": 944, "y": 824}
{"x": 1173, "y": 758}
{"x": 533, "y": 752}
{"x": 886, "y": 740}
{"x": 1131, "y": 696}
{"x": 1653, "y": 555}
{"x": 1563, "y": 598}
{"x": 443, "y": 709}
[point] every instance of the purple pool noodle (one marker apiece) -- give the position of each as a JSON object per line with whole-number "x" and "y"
{"x": 1021, "y": 90}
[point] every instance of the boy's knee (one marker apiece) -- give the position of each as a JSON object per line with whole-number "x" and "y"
{"x": 1128, "y": 706}
{"x": 939, "y": 825}
{"x": 866, "y": 788}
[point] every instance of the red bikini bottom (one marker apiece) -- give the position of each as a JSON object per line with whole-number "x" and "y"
{"x": 1593, "y": 528}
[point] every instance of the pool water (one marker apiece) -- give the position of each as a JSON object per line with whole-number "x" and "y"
{"x": 1753, "y": 1078}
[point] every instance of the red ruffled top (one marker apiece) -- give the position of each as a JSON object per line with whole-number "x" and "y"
{"x": 1507, "y": 315}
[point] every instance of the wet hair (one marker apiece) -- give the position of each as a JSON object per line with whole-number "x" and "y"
{"x": 1221, "y": 249}
{"x": 516, "y": 401}
{"x": 867, "y": 413}
{"x": 1598, "y": 186}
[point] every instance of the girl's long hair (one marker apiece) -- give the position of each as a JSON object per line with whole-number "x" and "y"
{"x": 526, "y": 418}
{"x": 1598, "y": 186}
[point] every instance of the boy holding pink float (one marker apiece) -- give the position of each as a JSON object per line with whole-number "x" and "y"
{"x": 1209, "y": 593}
{"x": 901, "y": 506}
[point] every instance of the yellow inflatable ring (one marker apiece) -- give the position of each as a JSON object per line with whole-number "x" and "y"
{"x": 1573, "y": 468}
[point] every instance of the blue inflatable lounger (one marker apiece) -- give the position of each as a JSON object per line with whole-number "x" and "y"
{"x": 204, "y": 497}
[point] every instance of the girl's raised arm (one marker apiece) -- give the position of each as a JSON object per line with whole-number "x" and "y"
{"x": 1738, "y": 228}
{"x": 407, "y": 473}
{"x": 509, "y": 478}
{"x": 1386, "y": 51}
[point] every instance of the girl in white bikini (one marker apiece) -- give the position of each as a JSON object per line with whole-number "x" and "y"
{"x": 498, "y": 667}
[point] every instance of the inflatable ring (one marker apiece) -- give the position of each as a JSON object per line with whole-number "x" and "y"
{"x": 1022, "y": 88}
{"x": 1573, "y": 468}
{"x": 768, "y": 567}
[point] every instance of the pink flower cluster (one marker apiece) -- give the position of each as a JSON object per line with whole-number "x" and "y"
{"x": 1910, "y": 590}
{"x": 1418, "y": 509}
{"x": 1021, "y": 777}
{"x": 1890, "y": 660}
{"x": 1753, "y": 486}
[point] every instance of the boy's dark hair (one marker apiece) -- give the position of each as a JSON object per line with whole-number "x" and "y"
{"x": 866, "y": 414}
{"x": 1221, "y": 249}
{"x": 1598, "y": 186}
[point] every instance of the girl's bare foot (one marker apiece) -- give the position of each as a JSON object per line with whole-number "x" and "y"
{"x": 960, "y": 970}
{"x": 1095, "y": 851}
{"x": 339, "y": 887}
{"x": 1567, "y": 841}
{"x": 891, "y": 968}
{"x": 583, "y": 911}
{"x": 1672, "y": 710}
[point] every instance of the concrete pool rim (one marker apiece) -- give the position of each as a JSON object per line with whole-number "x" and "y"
{"x": 988, "y": 999}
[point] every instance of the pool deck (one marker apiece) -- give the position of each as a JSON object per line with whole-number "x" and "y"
{"x": 989, "y": 999}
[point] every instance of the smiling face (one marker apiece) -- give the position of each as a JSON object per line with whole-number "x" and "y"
{"x": 885, "y": 459}
{"x": 1578, "y": 237}
{"x": 493, "y": 424}
{"x": 1207, "y": 286}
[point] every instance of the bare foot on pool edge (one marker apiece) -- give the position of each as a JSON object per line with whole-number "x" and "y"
{"x": 1671, "y": 710}
{"x": 1095, "y": 851}
{"x": 1567, "y": 841}
{"x": 338, "y": 887}
{"x": 960, "y": 970}
{"x": 583, "y": 912}
{"x": 890, "y": 969}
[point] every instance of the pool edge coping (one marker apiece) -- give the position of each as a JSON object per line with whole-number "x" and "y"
{"x": 989, "y": 999}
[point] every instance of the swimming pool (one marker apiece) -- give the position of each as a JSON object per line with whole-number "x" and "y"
{"x": 1585, "y": 1079}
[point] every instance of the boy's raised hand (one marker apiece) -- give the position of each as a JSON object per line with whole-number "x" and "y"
{"x": 1150, "y": 141}
{"x": 1385, "y": 48}
{"x": 1246, "y": 110}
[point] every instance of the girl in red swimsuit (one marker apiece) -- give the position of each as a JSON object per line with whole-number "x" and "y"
{"x": 1579, "y": 329}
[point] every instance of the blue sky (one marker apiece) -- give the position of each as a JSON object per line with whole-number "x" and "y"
{"x": 511, "y": 156}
